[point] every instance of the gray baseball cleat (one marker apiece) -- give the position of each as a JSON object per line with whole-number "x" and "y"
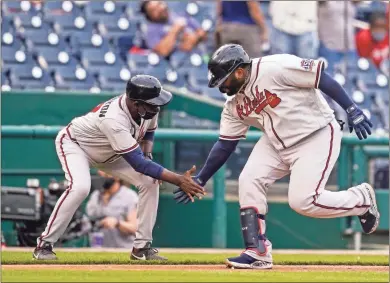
{"x": 44, "y": 253}
{"x": 146, "y": 253}
{"x": 370, "y": 219}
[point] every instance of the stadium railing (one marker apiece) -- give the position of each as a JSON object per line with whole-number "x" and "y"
{"x": 352, "y": 167}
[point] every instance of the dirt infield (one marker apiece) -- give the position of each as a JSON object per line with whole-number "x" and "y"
{"x": 291, "y": 268}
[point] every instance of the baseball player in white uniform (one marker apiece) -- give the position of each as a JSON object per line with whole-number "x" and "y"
{"x": 280, "y": 95}
{"x": 115, "y": 137}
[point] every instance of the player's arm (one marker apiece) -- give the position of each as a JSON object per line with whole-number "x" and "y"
{"x": 124, "y": 144}
{"x": 232, "y": 130}
{"x": 356, "y": 118}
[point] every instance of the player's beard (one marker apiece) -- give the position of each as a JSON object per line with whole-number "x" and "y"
{"x": 235, "y": 87}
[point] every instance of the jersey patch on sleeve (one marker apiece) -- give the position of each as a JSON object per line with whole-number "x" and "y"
{"x": 307, "y": 64}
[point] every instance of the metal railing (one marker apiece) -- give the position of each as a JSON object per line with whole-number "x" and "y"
{"x": 352, "y": 166}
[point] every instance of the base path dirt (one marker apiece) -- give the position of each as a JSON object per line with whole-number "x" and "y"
{"x": 291, "y": 268}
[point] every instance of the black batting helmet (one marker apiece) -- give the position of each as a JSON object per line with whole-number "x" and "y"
{"x": 224, "y": 61}
{"x": 147, "y": 89}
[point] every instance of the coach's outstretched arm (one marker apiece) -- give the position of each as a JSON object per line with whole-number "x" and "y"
{"x": 147, "y": 167}
{"x": 218, "y": 155}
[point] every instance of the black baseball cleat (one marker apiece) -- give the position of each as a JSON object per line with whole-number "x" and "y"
{"x": 370, "y": 219}
{"x": 44, "y": 253}
{"x": 146, "y": 253}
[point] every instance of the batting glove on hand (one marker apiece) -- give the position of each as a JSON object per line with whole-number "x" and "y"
{"x": 358, "y": 121}
{"x": 180, "y": 196}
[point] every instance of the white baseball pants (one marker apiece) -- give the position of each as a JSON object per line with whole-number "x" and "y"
{"x": 76, "y": 165}
{"x": 310, "y": 163}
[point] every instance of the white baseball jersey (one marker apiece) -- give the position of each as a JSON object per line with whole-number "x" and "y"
{"x": 281, "y": 98}
{"x": 109, "y": 130}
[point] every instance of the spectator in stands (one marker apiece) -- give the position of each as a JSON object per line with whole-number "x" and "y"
{"x": 167, "y": 31}
{"x": 373, "y": 43}
{"x": 242, "y": 22}
{"x": 116, "y": 207}
{"x": 336, "y": 32}
{"x": 294, "y": 28}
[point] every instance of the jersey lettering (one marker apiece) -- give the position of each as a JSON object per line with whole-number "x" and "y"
{"x": 104, "y": 109}
{"x": 258, "y": 103}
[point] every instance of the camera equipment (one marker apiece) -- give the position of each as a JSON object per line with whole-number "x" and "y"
{"x": 30, "y": 208}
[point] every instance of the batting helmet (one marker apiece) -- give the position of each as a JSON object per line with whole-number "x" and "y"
{"x": 224, "y": 61}
{"x": 147, "y": 89}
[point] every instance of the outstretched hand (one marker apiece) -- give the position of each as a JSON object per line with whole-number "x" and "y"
{"x": 189, "y": 187}
{"x": 181, "y": 196}
{"x": 359, "y": 122}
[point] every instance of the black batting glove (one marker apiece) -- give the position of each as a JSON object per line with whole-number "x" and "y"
{"x": 182, "y": 197}
{"x": 359, "y": 122}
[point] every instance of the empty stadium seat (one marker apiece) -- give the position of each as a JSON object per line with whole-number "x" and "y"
{"x": 28, "y": 76}
{"x": 31, "y": 21}
{"x": 55, "y": 58}
{"x": 114, "y": 78}
{"x": 198, "y": 76}
{"x": 10, "y": 40}
{"x": 91, "y": 40}
{"x": 72, "y": 25}
{"x": 94, "y": 60}
{"x": 137, "y": 62}
{"x": 104, "y": 12}
{"x": 19, "y": 7}
{"x": 11, "y": 56}
{"x": 74, "y": 78}
{"x": 118, "y": 27}
{"x": 53, "y": 8}
{"x": 36, "y": 39}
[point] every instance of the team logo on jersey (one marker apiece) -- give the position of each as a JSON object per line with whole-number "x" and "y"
{"x": 257, "y": 104}
{"x": 307, "y": 64}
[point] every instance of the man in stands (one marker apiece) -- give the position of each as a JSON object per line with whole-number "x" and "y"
{"x": 167, "y": 32}
{"x": 373, "y": 43}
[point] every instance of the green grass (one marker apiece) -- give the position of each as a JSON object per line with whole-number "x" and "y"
{"x": 175, "y": 258}
{"x": 190, "y": 276}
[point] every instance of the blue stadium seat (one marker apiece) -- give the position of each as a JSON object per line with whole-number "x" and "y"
{"x": 27, "y": 76}
{"x": 66, "y": 78}
{"x": 89, "y": 41}
{"x": 96, "y": 11}
{"x": 44, "y": 38}
{"x": 30, "y": 21}
{"x": 57, "y": 58}
{"x": 11, "y": 40}
{"x": 18, "y": 7}
{"x": 54, "y": 8}
{"x": 114, "y": 78}
{"x": 137, "y": 62}
{"x": 101, "y": 7}
{"x": 198, "y": 76}
{"x": 11, "y": 56}
{"x": 94, "y": 60}
{"x": 72, "y": 25}
{"x": 119, "y": 27}
{"x": 173, "y": 78}
{"x": 368, "y": 77}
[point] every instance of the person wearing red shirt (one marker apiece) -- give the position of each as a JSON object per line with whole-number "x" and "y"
{"x": 373, "y": 43}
